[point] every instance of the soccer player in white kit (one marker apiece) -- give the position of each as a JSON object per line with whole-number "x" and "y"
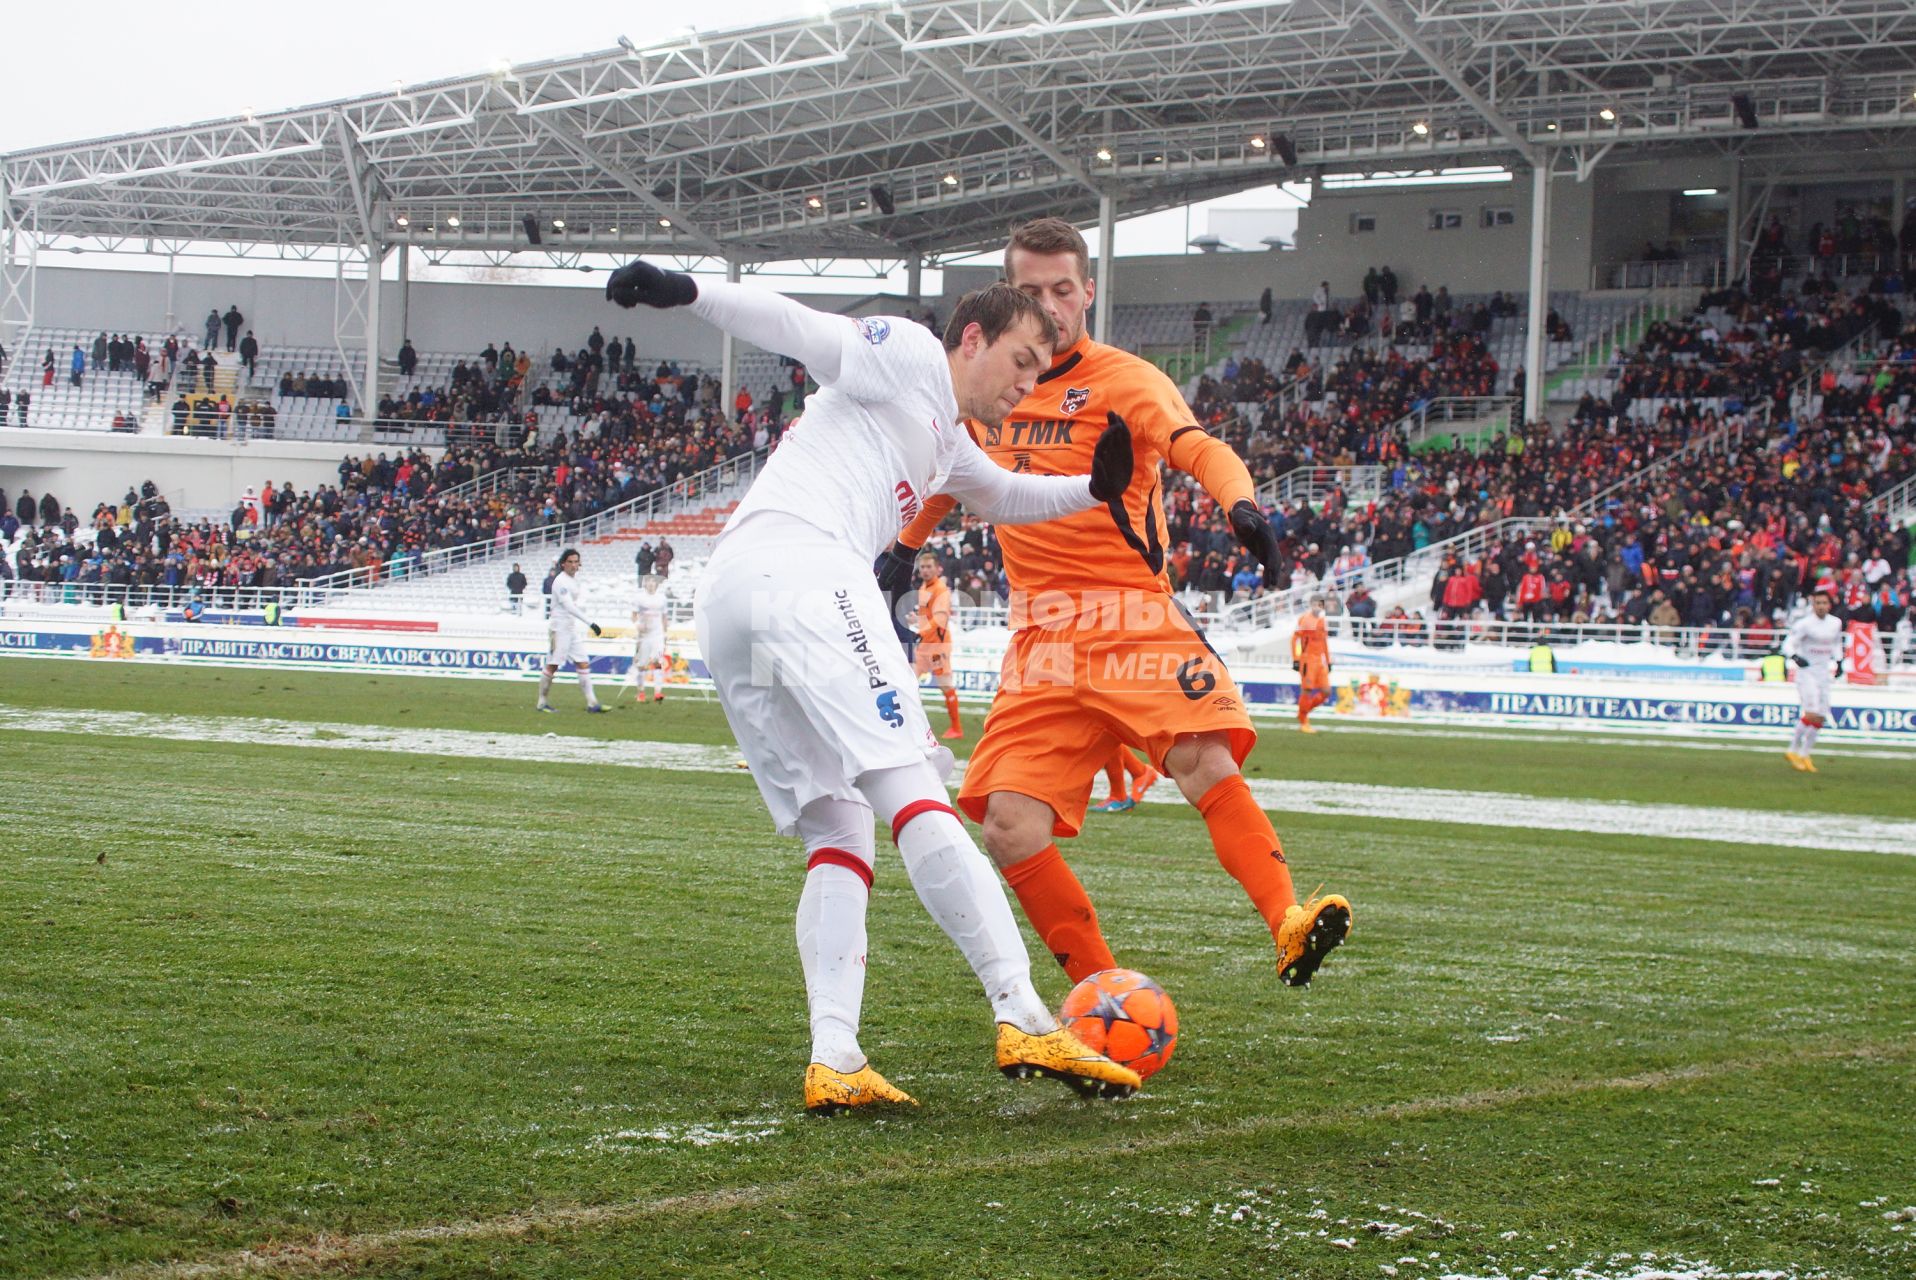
{"x": 648, "y": 643}
{"x": 1814, "y": 642}
{"x": 811, "y": 676}
{"x": 566, "y": 638}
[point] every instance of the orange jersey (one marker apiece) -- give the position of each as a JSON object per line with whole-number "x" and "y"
{"x": 1310, "y": 642}
{"x": 934, "y": 612}
{"x": 1121, "y": 545}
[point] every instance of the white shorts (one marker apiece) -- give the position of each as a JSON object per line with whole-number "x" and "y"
{"x": 815, "y": 686}
{"x": 565, "y": 648}
{"x": 647, "y": 651}
{"x": 1813, "y": 690}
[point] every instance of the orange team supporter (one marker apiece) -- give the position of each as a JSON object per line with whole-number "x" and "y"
{"x": 1102, "y": 653}
{"x": 932, "y": 654}
{"x": 1311, "y": 659}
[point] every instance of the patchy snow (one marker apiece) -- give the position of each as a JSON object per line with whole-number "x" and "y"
{"x": 684, "y": 1135}
{"x": 1766, "y": 828}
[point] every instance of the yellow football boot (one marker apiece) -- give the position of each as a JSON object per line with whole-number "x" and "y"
{"x": 1310, "y": 932}
{"x": 828, "y": 1092}
{"x": 1808, "y": 765}
{"x": 1062, "y": 1056}
{"x": 1797, "y": 762}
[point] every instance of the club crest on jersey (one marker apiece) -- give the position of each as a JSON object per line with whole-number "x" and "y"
{"x": 875, "y": 328}
{"x": 1074, "y": 399}
{"x": 994, "y": 436}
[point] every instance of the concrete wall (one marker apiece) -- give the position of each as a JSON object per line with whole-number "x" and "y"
{"x": 82, "y": 468}
{"x": 1470, "y": 259}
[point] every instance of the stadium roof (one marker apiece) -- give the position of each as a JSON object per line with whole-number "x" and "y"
{"x": 926, "y": 126}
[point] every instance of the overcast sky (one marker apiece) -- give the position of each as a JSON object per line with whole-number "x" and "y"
{"x": 118, "y": 67}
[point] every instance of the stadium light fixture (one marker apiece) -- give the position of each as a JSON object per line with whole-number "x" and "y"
{"x": 951, "y": 179}
{"x": 558, "y": 224}
{"x": 1465, "y": 175}
{"x": 453, "y": 222}
{"x": 1421, "y": 129}
{"x": 1257, "y": 142}
{"x": 403, "y": 221}
{"x": 666, "y": 223}
{"x": 1606, "y": 115}
{"x": 813, "y": 202}
{"x": 1700, "y": 191}
{"x": 1104, "y": 155}
{"x": 399, "y": 88}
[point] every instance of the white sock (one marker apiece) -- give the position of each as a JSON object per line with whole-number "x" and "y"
{"x": 831, "y": 949}
{"x": 545, "y": 684}
{"x": 962, "y": 893}
{"x": 1809, "y": 739}
{"x": 585, "y": 683}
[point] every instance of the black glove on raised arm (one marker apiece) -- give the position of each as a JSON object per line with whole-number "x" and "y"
{"x": 1112, "y": 460}
{"x": 1253, "y": 529}
{"x": 1801, "y": 661}
{"x": 893, "y": 570}
{"x": 594, "y": 627}
{"x": 639, "y": 281}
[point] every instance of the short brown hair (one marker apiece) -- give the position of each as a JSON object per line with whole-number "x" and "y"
{"x": 995, "y": 309}
{"x": 1049, "y": 235}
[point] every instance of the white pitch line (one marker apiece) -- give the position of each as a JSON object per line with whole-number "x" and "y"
{"x": 1767, "y": 828}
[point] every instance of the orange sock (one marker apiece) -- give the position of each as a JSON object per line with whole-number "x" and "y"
{"x": 1114, "y": 775}
{"x": 1061, "y": 912}
{"x": 1248, "y": 847}
{"x": 951, "y": 708}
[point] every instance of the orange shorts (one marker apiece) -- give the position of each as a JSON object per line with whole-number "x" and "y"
{"x": 1068, "y": 694}
{"x": 1316, "y": 676}
{"x": 932, "y": 658}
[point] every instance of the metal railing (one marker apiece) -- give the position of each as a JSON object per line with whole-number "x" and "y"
{"x": 1895, "y": 501}
{"x": 1480, "y": 416}
{"x": 1313, "y": 484}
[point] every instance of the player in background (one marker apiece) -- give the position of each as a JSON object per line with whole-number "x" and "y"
{"x": 1814, "y": 642}
{"x": 932, "y": 654}
{"x": 811, "y": 676}
{"x": 566, "y": 637}
{"x": 1311, "y": 659}
{"x": 1065, "y": 698}
{"x": 648, "y": 640}
{"x": 1120, "y": 772}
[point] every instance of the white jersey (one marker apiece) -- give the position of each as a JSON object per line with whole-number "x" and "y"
{"x": 881, "y": 435}
{"x": 1818, "y": 641}
{"x": 648, "y": 619}
{"x": 567, "y": 618}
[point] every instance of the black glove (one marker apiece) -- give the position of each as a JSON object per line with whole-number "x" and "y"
{"x": 593, "y": 627}
{"x": 1297, "y": 666}
{"x": 639, "y": 281}
{"x": 1839, "y": 666}
{"x": 893, "y": 569}
{"x": 1111, "y": 460}
{"x": 1801, "y": 661}
{"x": 1253, "y": 529}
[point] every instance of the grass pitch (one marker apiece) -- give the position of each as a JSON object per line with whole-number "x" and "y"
{"x": 352, "y": 1013}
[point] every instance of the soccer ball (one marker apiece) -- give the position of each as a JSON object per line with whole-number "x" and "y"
{"x": 1126, "y": 1017}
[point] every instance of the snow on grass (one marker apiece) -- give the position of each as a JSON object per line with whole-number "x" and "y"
{"x": 1847, "y": 832}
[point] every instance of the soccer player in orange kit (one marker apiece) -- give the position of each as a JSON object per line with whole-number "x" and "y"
{"x": 1311, "y": 659}
{"x": 932, "y": 654}
{"x": 1122, "y": 766}
{"x": 1101, "y": 652}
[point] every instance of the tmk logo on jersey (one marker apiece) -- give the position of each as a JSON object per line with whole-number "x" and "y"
{"x": 876, "y": 329}
{"x": 888, "y": 709}
{"x": 907, "y": 502}
{"x": 1074, "y": 399}
{"x": 1031, "y": 434}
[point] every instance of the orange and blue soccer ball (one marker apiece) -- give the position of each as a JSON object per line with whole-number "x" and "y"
{"x": 1126, "y": 1017}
